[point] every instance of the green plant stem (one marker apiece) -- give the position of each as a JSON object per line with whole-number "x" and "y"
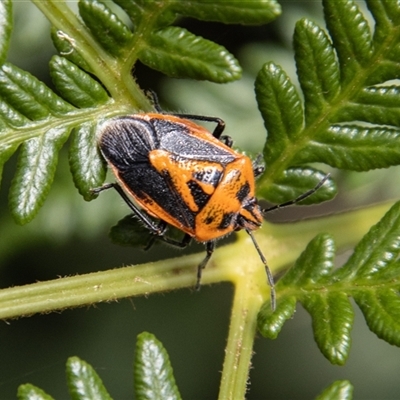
{"x": 35, "y": 129}
{"x": 250, "y": 292}
{"x": 234, "y": 262}
{"x": 97, "y": 287}
{"x": 104, "y": 66}
{"x": 283, "y": 244}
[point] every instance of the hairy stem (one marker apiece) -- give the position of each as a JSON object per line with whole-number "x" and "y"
{"x": 237, "y": 262}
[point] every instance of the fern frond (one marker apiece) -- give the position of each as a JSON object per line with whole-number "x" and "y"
{"x": 92, "y": 75}
{"x": 153, "y": 376}
{"x": 371, "y": 276}
{"x": 350, "y": 116}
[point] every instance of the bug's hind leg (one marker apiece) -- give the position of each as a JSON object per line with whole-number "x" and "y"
{"x": 176, "y": 243}
{"x": 141, "y": 215}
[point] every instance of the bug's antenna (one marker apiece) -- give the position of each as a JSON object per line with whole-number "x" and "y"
{"x": 278, "y": 206}
{"x": 267, "y": 270}
{"x": 300, "y": 198}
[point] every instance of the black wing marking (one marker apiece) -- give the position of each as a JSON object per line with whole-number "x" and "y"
{"x": 146, "y": 182}
{"x": 127, "y": 140}
{"x": 176, "y": 139}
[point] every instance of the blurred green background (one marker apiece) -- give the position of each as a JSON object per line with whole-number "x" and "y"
{"x": 69, "y": 237}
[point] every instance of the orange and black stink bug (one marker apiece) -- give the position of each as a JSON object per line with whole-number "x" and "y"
{"x": 170, "y": 168}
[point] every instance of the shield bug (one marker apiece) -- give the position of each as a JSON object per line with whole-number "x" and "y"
{"x": 175, "y": 170}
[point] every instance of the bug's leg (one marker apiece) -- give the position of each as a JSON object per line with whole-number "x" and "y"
{"x": 181, "y": 244}
{"x": 210, "y": 247}
{"x": 299, "y": 198}
{"x": 163, "y": 227}
{"x": 227, "y": 140}
{"x": 150, "y": 243}
{"x": 258, "y": 167}
{"x": 270, "y": 277}
{"x": 258, "y": 170}
{"x": 154, "y": 98}
{"x": 143, "y": 217}
{"x": 218, "y": 129}
{"x": 102, "y": 188}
